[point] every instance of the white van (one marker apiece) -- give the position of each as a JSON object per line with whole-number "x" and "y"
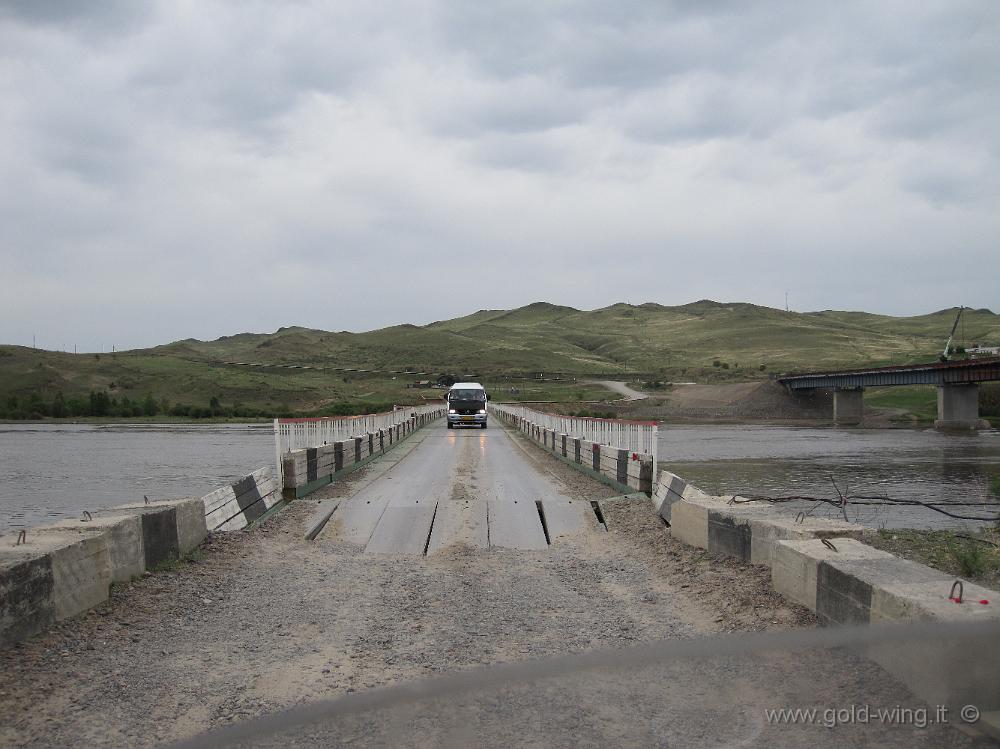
{"x": 467, "y": 404}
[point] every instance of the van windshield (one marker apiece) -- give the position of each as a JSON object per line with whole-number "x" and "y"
{"x": 467, "y": 395}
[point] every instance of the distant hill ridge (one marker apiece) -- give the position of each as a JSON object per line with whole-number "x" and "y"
{"x": 648, "y": 336}
{"x": 704, "y": 341}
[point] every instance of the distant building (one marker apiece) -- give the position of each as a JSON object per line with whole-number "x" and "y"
{"x": 983, "y": 351}
{"x": 421, "y": 384}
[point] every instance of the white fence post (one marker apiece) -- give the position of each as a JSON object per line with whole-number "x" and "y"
{"x": 634, "y": 436}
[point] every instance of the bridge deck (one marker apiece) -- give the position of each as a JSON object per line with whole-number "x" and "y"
{"x": 934, "y": 373}
{"x": 468, "y": 487}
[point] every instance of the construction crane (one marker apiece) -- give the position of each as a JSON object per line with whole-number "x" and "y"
{"x": 951, "y": 335}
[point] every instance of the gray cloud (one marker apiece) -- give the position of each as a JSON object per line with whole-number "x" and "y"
{"x": 158, "y": 155}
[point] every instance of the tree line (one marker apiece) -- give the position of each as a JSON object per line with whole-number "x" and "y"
{"x": 102, "y": 404}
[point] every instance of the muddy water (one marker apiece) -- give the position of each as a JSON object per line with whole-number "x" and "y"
{"x": 50, "y": 471}
{"x": 905, "y": 464}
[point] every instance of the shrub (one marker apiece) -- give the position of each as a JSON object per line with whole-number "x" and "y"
{"x": 970, "y": 555}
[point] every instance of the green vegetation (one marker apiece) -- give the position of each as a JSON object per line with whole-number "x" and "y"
{"x": 918, "y": 402}
{"x": 969, "y": 554}
{"x": 973, "y": 555}
{"x": 303, "y": 371}
{"x": 989, "y": 400}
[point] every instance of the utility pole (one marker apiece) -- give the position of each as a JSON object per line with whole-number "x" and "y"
{"x": 786, "y": 301}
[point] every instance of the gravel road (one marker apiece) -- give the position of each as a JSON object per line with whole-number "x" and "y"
{"x": 263, "y": 620}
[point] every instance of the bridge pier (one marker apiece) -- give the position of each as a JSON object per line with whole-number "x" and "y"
{"x": 958, "y": 407}
{"x": 848, "y": 406}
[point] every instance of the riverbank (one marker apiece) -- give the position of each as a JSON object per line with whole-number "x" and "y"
{"x": 974, "y": 556}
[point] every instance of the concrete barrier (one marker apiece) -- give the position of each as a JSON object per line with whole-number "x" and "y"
{"x": 852, "y": 583}
{"x": 126, "y": 549}
{"x": 58, "y": 571}
{"x": 243, "y": 502}
{"x": 747, "y": 531}
{"x": 824, "y": 565}
{"x": 306, "y": 470}
{"x": 847, "y": 582}
{"x": 49, "y": 577}
{"x": 628, "y": 470}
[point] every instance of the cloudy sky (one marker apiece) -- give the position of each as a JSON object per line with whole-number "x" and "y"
{"x": 200, "y": 167}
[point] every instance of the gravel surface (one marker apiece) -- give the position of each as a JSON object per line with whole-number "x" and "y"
{"x": 264, "y": 620}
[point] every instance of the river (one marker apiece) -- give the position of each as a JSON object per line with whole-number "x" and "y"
{"x": 903, "y": 464}
{"x": 50, "y": 471}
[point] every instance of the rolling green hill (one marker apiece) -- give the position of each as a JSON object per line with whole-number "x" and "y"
{"x": 702, "y": 341}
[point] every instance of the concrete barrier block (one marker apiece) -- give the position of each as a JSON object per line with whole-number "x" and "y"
{"x": 170, "y": 527}
{"x": 26, "y": 600}
{"x": 794, "y": 565}
{"x": 773, "y": 526}
{"x": 857, "y": 584}
{"x": 52, "y": 576}
{"x": 123, "y": 536}
{"x": 689, "y": 524}
{"x": 640, "y": 472}
{"x": 669, "y": 490}
{"x": 728, "y": 534}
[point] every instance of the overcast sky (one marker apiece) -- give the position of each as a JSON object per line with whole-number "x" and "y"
{"x": 201, "y": 168}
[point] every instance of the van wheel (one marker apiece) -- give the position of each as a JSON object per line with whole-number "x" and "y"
{"x": 449, "y": 425}
{"x": 484, "y": 426}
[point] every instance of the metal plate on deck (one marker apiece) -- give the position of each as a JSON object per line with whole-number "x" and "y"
{"x": 568, "y": 517}
{"x": 459, "y": 523}
{"x": 403, "y": 528}
{"x": 515, "y": 525}
{"x": 355, "y": 520}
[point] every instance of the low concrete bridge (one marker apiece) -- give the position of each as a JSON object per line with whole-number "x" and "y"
{"x": 957, "y": 383}
{"x": 449, "y": 488}
{"x": 436, "y": 551}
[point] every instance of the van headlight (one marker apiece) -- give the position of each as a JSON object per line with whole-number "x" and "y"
{"x": 482, "y": 410}
{"x": 452, "y": 411}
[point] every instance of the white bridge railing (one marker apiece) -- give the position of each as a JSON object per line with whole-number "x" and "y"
{"x": 634, "y": 436}
{"x": 296, "y": 434}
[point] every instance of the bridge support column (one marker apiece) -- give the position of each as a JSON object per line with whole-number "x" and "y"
{"x": 848, "y": 407}
{"x": 958, "y": 407}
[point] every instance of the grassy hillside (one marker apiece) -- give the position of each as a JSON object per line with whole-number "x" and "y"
{"x": 303, "y": 369}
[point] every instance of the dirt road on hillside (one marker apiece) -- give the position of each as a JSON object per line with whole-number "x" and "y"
{"x": 622, "y": 389}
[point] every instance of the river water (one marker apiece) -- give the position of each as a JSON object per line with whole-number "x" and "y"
{"x": 903, "y": 464}
{"x": 50, "y": 471}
